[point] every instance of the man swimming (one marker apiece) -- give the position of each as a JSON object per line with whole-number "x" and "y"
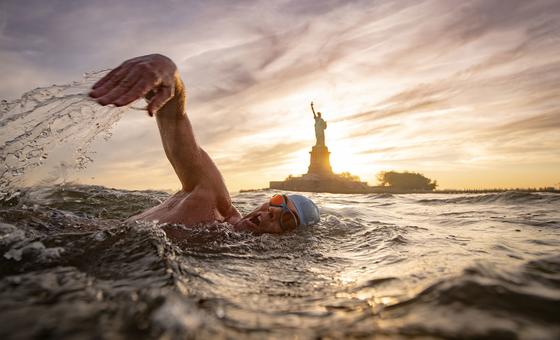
{"x": 203, "y": 197}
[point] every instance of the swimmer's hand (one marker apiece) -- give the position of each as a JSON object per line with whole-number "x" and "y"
{"x": 153, "y": 76}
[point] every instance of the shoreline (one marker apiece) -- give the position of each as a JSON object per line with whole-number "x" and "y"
{"x": 443, "y": 191}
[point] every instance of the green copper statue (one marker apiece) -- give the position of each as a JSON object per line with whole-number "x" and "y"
{"x": 320, "y": 126}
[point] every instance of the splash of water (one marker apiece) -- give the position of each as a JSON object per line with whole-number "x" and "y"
{"x": 52, "y": 127}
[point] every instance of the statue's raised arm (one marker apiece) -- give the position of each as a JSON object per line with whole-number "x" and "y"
{"x": 312, "y": 109}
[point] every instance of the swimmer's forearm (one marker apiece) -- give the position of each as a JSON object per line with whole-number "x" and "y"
{"x": 179, "y": 142}
{"x": 156, "y": 78}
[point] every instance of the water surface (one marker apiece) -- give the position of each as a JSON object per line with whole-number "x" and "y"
{"x": 436, "y": 265}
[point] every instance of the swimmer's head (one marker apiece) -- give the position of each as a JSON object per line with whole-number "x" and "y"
{"x": 280, "y": 214}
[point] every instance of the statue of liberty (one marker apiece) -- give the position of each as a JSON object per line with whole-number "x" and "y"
{"x": 320, "y": 126}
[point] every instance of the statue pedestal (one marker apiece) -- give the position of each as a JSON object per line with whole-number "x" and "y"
{"x": 320, "y": 163}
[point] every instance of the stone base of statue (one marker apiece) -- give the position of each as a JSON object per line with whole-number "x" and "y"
{"x": 320, "y": 177}
{"x": 311, "y": 183}
{"x": 319, "y": 162}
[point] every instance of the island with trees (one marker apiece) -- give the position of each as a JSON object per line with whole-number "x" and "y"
{"x": 405, "y": 181}
{"x": 320, "y": 177}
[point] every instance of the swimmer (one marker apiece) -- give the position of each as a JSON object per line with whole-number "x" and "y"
{"x": 203, "y": 197}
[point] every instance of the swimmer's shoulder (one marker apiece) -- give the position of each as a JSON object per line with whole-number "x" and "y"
{"x": 188, "y": 208}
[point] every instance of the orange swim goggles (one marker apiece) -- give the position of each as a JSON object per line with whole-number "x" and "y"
{"x": 288, "y": 220}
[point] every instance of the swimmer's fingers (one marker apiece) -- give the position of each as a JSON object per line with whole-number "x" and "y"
{"x": 162, "y": 96}
{"x": 139, "y": 90}
{"x": 110, "y": 83}
{"x": 123, "y": 86}
{"x": 106, "y": 77}
{"x": 134, "y": 79}
{"x": 111, "y": 79}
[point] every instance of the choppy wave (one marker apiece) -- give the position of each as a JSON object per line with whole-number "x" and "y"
{"x": 422, "y": 266}
{"x": 486, "y": 301}
{"x": 500, "y": 197}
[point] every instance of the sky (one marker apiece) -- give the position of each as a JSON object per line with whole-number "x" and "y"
{"x": 464, "y": 92}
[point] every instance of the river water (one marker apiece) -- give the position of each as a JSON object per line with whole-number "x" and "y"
{"x": 378, "y": 265}
{"x": 436, "y": 265}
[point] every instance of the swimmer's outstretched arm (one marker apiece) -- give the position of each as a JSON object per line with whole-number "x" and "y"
{"x": 156, "y": 78}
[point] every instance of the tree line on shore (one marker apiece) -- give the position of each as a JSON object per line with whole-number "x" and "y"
{"x": 416, "y": 181}
{"x": 406, "y": 181}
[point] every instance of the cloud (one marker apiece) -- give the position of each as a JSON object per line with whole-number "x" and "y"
{"x": 544, "y": 122}
{"x": 458, "y": 25}
{"x": 397, "y": 78}
{"x": 230, "y": 70}
{"x": 395, "y": 109}
{"x": 259, "y": 158}
{"x": 311, "y": 8}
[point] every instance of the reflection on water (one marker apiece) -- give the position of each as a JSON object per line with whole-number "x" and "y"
{"x": 397, "y": 265}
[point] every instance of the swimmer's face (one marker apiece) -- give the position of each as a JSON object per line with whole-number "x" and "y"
{"x": 266, "y": 219}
